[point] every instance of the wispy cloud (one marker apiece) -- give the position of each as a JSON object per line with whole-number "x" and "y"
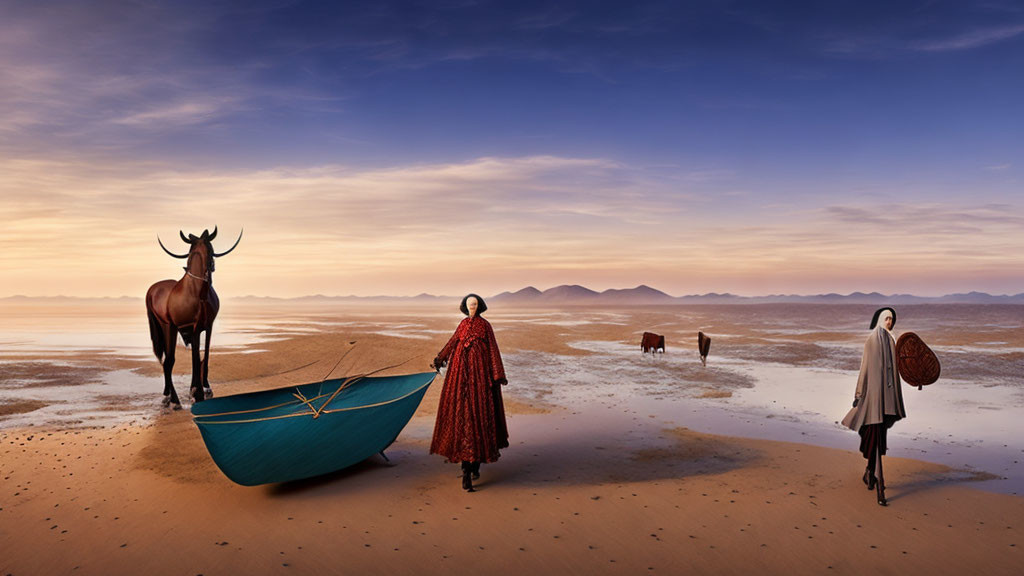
{"x": 896, "y": 45}
{"x": 79, "y": 79}
{"x": 939, "y": 216}
{"x": 936, "y": 230}
{"x": 971, "y": 39}
{"x": 176, "y": 114}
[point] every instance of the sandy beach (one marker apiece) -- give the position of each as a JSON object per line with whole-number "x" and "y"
{"x": 314, "y": 190}
{"x": 610, "y": 470}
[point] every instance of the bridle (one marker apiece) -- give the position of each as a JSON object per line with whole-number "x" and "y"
{"x": 188, "y": 264}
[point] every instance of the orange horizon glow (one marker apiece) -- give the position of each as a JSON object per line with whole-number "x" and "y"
{"x": 487, "y": 225}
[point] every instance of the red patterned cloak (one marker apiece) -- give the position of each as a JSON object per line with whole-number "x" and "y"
{"x": 470, "y": 422}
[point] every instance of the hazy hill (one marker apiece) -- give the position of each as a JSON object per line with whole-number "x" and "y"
{"x": 567, "y": 294}
{"x": 525, "y": 296}
{"x": 640, "y": 295}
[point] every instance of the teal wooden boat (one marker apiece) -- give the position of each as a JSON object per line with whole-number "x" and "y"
{"x": 306, "y": 430}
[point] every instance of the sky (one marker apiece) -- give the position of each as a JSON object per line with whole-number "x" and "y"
{"x": 368, "y": 148}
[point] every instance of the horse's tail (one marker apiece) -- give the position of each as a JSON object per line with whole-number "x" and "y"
{"x": 156, "y": 334}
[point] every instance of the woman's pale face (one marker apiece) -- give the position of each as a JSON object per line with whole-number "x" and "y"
{"x": 888, "y": 322}
{"x": 471, "y": 305}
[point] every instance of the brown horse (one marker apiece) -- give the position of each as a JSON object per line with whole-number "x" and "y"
{"x": 189, "y": 307}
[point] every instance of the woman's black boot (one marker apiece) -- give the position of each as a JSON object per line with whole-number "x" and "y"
{"x": 474, "y": 468}
{"x": 869, "y": 479}
{"x": 467, "y": 479}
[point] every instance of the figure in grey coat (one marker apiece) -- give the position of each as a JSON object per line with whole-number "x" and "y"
{"x": 878, "y": 400}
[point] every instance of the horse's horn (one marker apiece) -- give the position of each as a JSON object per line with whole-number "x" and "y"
{"x": 233, "y": 247}
{"x": 183, "y": 239}
{"x": 168, "y": 251}
{"x": 214, "y": 235}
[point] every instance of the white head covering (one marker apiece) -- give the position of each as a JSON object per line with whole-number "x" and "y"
{"x": 881, "y": 317}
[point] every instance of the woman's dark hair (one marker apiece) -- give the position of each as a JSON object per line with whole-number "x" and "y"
{"x": 874, "y": 319}
{"x": 481, "y": 306}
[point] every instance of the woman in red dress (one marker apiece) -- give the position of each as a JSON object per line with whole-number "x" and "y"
{"x": 470, "y": 425}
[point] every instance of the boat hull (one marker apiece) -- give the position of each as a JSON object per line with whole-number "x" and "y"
{"x": 304, "y": 431}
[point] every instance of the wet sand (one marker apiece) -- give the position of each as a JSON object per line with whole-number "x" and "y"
{"x": 602, "y": 486}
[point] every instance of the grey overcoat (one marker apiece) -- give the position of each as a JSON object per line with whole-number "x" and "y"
{"x": 878, "y": 385}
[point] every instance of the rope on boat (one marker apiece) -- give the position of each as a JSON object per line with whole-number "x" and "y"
{"x": 298, "y": 394}
{"x": 301, "y": 399}
{"x": 339, "y": 361}
{"x": 303, "y": 414}
{"x": 350, "y": 381}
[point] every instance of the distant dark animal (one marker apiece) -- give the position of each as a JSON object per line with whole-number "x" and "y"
{"x": 703, "y": 346}
{"x": 915, "y": 361}
{"x": 188, "y": 307}
{"x": 651, "y": 342}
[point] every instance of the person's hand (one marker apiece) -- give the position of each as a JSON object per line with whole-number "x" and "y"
{"x": 437, "y": 364}
{"x": 855, "y": 402}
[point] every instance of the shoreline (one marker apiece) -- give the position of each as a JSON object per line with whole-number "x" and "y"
{"x": 557, "y": 361}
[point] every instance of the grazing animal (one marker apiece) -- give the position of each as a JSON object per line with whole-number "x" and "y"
{"x": 188, "y": 307}
{"x": 703, "y": 346}
{"x": 652, "y": 343}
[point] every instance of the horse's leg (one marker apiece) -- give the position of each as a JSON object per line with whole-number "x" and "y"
{"x": 166, "y": 363}
{"x": 206, "y": 364}
{"x": 170, "y": 394}
{"x": 197, "y": 370}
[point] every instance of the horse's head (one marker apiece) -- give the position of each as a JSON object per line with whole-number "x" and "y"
{"x": 200, "y": 258}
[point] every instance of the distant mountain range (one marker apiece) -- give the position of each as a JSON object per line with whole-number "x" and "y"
{"x": 575, "y": 295}
{"x": 646, "y": 295}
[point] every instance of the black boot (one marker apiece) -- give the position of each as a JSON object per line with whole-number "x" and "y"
{"x": 474, "y": 469}
{"x": 869, "y": 478}
{"x": 881, "y": 495}
{"x": 467, "y": 481}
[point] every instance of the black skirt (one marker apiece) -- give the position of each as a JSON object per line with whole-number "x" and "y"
{"x": 873, "y": 436}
